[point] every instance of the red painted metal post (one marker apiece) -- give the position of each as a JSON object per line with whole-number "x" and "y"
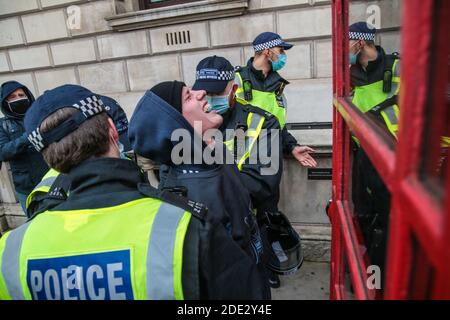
{"x": 345, "y": 247}
{"x": 417, "y": 213}
{"x": 419, "y": 230}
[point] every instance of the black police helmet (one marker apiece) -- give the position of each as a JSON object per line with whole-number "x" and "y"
{"x": 287, "y": 257}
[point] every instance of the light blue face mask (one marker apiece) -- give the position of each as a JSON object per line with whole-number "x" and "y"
{"x": 280, "y": 63}
{"x": 353, "y": 58}
{"x": 121, "y": 147}
{"x": 220, "y": 104}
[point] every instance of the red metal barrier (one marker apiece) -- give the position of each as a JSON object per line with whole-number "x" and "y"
{"x": 418, "y": 264}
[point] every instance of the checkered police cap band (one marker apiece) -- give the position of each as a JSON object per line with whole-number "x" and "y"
{"x": 36, "y": 140}
{"x": 214, "y": 74}
{"x": 362, "y": 36}
{"x": 89, "y": 107}
{"x": 267, "y": 45}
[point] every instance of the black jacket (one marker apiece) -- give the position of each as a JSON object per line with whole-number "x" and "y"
{"x": 214, "y": 267}
{"x": 218, "y": 186}
{"x": 27, "y": 165}
{"x": 262, "y": 187}
{"x": 272, "y": 83}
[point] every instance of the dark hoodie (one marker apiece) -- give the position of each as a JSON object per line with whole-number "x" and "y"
{"x": 27, "y": 165}
{"x": 217, "y": 186}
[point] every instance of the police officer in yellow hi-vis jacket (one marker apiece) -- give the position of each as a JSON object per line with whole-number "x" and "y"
{"x": 375, "y": 80}
{"x": 114, "y": 236}
{"x": 37, "y": 200}
{"x": 260, "y": 85}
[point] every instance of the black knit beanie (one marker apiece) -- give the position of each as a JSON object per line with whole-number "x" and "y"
{"x": 170, "y": 91}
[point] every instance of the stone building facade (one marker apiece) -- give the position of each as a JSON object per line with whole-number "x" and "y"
{"x": 114, "y": 48}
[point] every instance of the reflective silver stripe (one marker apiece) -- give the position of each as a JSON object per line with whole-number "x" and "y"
{"x": 46, "y": 183}
{"x": 256, "y": 118}
{"x": 394, "y": 90}
{"x": 390, "y": 113}
{"x": 11, "y": 260}
{"x": 240, "y": 92}
{"x": 397, "y": 69}
{"x": 160, "y": 277}
{"x": 237, "y": 79}
{"x": 395, "y": 84}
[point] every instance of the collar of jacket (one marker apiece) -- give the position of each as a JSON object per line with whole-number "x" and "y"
{"x": 272, "y": 78}
{"x": 101, "y": 176}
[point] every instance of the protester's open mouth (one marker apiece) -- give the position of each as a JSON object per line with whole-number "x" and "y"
{"x": 206, "y": 107}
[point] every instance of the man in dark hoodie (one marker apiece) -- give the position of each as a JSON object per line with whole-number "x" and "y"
{"x": 27, "y": 165}
{"x": 153, "y": 132}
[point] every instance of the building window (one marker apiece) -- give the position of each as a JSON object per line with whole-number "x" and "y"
{"x": 151, "y": 4}
{"x": 139, "y": 14}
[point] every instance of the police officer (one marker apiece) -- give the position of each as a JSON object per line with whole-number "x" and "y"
{"x": 215, "y": 75}
{"x": 113, "y": 237}
{"x": 261, "y": 85}
{"x": 168, "y": 126}
{"x": 375, "y": 79}
{"x": 37, "y": 200}
{"x": 27, "y": 166}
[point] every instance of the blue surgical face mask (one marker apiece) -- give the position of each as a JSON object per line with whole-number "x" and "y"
{"x": 280, "y": 63}
{"x": 354, "y": 57}
{"x": 121, "y": 152}
{"x": 220, "y": 104}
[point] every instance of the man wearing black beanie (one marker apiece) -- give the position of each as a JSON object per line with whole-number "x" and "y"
{"x": 170, "y": 92}
{"x": 164, "y": 118}
{"x": 190, "y": 103}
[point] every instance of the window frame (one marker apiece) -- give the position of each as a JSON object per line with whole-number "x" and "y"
{"x": 145, "y": 4}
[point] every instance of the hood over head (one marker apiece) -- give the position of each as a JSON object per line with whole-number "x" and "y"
{"x": 151, "y": 128}
{"x": 8, "y": 88}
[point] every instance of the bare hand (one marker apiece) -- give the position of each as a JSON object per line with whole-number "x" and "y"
{"x": 302, "y": 154}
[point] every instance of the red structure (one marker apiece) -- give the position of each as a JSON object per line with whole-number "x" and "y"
{"x": 418, "y": 259}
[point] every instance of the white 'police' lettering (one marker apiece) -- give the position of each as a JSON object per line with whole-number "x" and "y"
{"x": 76, "y": 283}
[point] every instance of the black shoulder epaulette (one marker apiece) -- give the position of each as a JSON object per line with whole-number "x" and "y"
{"x": 261, "y": 112}
{"x": 197, "y": 209}
{"x": 58, "y": 189}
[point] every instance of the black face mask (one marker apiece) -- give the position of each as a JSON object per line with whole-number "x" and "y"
{"x": 19, "y": 107}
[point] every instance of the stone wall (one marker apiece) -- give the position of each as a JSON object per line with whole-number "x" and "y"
{"x": 38, "y": 48}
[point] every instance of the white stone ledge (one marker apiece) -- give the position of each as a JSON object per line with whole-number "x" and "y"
{"x": 178, "y": 14}
{"x": 273, "y": 5}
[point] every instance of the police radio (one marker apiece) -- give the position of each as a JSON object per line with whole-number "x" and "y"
{"x": 239, "y": 148}
{"x": 387, "y": 81}
{"x": 248, "y": 95}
